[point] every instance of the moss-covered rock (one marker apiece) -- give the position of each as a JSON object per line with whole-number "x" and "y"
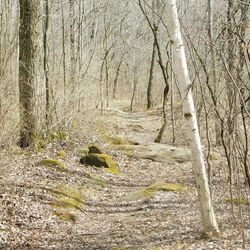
{"x": 67, "y": 201}
{"x": 54, "y": 164}
{"x": 238, "y": 201}
{"x": 68, "y": 197}
{"x": 150, "y": 191}
{"x": 65, "y": 215}
{"x": 93, "y": 149}
{"x": 101, "y": 161}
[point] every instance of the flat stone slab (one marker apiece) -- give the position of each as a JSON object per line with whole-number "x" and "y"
{"x": 156, "y": 152}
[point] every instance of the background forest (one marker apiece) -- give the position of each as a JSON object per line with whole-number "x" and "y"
{"x": 91, "y": 56}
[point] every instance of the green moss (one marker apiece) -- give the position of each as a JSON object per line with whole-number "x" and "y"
{"x": 4, "y": 229}
{"x": 67, "y": 200}
{"x": 58, "y": 136}
{"x": 82, "y": 151}
{"x": 40, "y": 142}
{"x": 98, "y": 181}
{"x": 150, "y": 191}
{"x": 75, "y": 124}
{"x": 93, "y": 149}
{"x": 52, "y": 163}
{"x": 114, "y": 140}
{"x": 65, "y": 215}
{"x": 68, "y": 197}
{"x": 100, "y": 160}
{"x": 238, "y": 201}
{"x": 61, "y": 154}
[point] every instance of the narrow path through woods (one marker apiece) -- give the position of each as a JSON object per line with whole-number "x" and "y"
{"x": 83, "y": 207}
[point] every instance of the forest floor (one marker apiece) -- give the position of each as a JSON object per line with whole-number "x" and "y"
{"x": 67, "y": 205}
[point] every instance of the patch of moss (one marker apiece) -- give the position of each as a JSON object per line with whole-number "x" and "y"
{"x": 98, "y": 181}
{"x": 55, "y": 164}
{"x": 40, "y": 142}
{"x": 65, "y": 215}
{"x": 75, "y": 124}
{"x": 58, "y": 136}
{"x": 238, "y": 201}
{"x": 23, "y": 152}
{"x": 114, "y": 140}
{"x": 68, "y": 197}
{"x": 93, "y": 149}
{"x": 82, "y": 151}
{"x": 4, "y": 229}
{"x": 100, "y": 160}
{"x": 61, "y": 154}
{"x": 150, "y": 191}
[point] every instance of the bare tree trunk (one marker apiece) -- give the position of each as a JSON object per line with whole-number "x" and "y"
{"x": 135, "y": 81}
{"x": 63, "y": 52}
{"x": 164, "y": 110}
{"x": 213, "y": 64}
{"x": 72, "y": 43}
{"x": 172, "y": 94}
{"x": 231, "y": 96}
{"x": 208, "y": 217}
{"x": 150, "y": 80}
{"x": 45, "y": 62}
{"x": 117, "y": 75}
{"x": 29, "y": 10}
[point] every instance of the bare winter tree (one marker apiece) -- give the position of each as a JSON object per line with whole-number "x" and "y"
{"x": 181, "y": 69}
{"x": 27, "y": 53}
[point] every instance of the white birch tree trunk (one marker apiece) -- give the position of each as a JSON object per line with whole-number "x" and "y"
{"x": 181, "y": 70}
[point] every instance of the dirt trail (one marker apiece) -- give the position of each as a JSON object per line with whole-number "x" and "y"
{"x": 141, "y": 129}
{"x": 115, "y": 211}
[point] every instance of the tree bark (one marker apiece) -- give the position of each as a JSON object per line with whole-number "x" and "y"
{"x": 63, "y": 52}
{"x": 45, "y": 62}
{"x": 180, "y": 66}
{"x": 72, "y": 43}
{"x": 27, "y": 51}
{"x": 213, "y": 64}
{"x": 117, "y": 75}
{"x": 150, "y": 79}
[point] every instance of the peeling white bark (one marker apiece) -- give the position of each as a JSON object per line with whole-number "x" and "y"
{"x": 181, "y": 70}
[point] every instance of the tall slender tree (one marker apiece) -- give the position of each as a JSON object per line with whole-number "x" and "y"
{"x": 27, "y": 52}
{"x": 215, "y": 82}
{"x": 181, "y": 70}
{"x": 45, "y": 60}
